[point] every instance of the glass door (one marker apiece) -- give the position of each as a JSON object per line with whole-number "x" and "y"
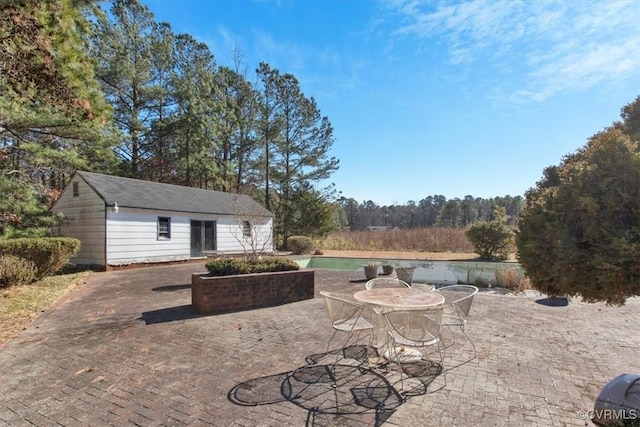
{"x": 203, "y": 237}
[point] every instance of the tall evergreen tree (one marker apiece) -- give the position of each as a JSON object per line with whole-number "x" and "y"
{"x": 449, "y": 214}
{"x": 314, "y": 216}
{"x": 469, "y": 211}
{"x": 126, "y": 43}
{"x": 238, "y": 144}
{"x": 46, "y": 78}
{"x": 197, "y": 110}
{"x": 52, "y": 113}
{"x": 268, "y": 129}
{"x": 300, "y": 154}
{"x": 162, "y": 151}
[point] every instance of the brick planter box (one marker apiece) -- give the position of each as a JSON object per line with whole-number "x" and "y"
{"x": 213, "y": 295}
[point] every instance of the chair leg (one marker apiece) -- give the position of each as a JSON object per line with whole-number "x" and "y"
{"x": 453, "y": 340}
{"x": 393, "y": 353}
{"x": 331, "y": 339}
{"x": 442, "y": 351}
{"x": 453, "y": 337}
{"x": 475, "y": 354}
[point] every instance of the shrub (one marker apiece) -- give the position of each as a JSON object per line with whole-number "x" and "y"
{"x": 226, "y": 267}
{"x": 300, "y": 245}
{"x": 482, "y": 282}
{"x": 15, "y": 271}
{"x": 49, "y": 254}
{"x": 579, "y": 232}
{"x": 491, "y": 239}
{"x": 271, "y": 264}
{"x": 230, "y": 266}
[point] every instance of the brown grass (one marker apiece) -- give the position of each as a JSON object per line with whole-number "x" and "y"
{"x": 19, "y": 305}
{"x": 513, "y": 279}
{"x": 435, "y": 239}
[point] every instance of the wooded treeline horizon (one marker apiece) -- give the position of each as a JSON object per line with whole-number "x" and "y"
{"x": 431, "y": 211}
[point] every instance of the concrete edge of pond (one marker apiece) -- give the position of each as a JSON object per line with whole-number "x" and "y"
{"x": 480, "y": 273}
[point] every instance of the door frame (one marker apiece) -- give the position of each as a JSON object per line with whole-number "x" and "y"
{"x": 193, "y": 250}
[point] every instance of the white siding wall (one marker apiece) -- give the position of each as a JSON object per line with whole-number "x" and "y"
{"x": 231, "y": 239}
{"x": 132, "y": 236}
{"x": 85, "y": 221}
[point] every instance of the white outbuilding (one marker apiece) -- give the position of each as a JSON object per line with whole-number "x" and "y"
{"x": 122, "y": 221}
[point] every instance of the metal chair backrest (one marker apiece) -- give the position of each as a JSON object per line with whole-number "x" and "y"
{"x": 414, "y": 327}
{"x": 459, "y": 297}
{"x": 386, "y": 282}
{"x": 343, "y": 310}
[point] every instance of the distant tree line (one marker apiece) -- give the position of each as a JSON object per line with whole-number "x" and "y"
{"x": 428, "y": 212}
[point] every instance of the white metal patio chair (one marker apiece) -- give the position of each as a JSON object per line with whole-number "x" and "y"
{"x": 386, "y": 282}
{"x": 457, "y": 305}
{"x": 346, "y": 316}
{"x": 415, "y": 329}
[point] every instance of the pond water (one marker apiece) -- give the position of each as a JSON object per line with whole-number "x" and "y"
{"x": 433, "y": 272}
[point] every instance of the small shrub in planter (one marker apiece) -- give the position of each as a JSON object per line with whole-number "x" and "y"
{"x": 300, "y": 245}
{"x": 230, "y": 266}
{"x": 15, "y": 271}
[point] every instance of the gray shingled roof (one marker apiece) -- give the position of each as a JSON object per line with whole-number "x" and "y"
{"x": 135, "y": 193}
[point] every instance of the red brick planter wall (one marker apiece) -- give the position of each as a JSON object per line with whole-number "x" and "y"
{"x": 213, "y": 295}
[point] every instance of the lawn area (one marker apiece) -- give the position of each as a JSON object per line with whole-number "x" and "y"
{"x": 19, "y": 305}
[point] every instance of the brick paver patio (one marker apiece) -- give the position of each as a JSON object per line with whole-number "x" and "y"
{"x": 126, "y": 349}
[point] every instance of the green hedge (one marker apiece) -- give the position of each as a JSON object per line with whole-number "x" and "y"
{"x": 300, "y": 245}
{"x": 230, "y": 266}
{"x": 49, "y": 254}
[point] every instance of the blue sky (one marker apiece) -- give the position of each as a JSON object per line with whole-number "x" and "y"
{"x": 437, "y": 97}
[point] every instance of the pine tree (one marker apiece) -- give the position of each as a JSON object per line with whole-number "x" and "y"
{"x": 52, "y": 113}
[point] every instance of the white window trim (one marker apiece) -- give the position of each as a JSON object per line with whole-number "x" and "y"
{"x": 161, "y": 235}
{"x": 247, "y": 232}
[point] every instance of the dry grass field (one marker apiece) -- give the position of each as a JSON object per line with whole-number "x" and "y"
{"x": 433, "y": 243}
{"x": 432, "y": 239}
{"x": 417, "y": 255}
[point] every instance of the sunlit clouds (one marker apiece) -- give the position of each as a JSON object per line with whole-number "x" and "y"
{"x": 556, "y": 45}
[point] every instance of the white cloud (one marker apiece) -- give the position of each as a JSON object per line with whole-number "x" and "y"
{"x": 554, "y": 46}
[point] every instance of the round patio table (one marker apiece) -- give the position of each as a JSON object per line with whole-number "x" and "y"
{"x": 400, "y": 298}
